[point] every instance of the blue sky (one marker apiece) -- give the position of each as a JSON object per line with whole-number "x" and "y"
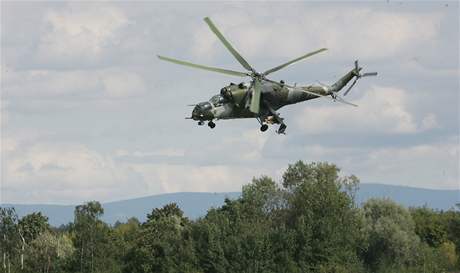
{"x": 89, "y": 112}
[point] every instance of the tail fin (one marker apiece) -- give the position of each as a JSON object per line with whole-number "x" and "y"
{"x": 346, "y": 78}
{"x": 355, "y": 72}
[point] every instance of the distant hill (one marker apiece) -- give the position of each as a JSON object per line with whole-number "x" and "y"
{"x": 196, "y": 204}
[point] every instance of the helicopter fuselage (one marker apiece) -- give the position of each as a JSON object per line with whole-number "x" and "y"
{"x": 231, "y": 103}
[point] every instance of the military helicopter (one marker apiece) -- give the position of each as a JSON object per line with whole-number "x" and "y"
{"x": 261, "y": 97}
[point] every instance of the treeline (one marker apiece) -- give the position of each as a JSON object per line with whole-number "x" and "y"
{"x": 309, "y": 223}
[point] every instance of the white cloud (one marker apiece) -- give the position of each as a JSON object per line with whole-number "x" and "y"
{"x": 381, "y": 109}
{"x": 347, "y": 32}
{"x": 429, "y": 122}
{"x": 80, "y": 31}
{"x": 64, "y": 173}
{"x": 426, "y": 165}
{"x": 167, "y": 152}
{"x": 249, "y": 145}
{"x": 109, "y": 83}
{"x": 121, "y": 84}
{"x": 71, "y": 173}
{"x": 164, "y": 178}
{"x": 434, "y": 165}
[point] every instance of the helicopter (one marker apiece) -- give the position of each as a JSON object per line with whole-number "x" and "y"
{"x": 261, "y": 97}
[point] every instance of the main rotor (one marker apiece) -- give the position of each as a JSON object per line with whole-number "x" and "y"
{"x": 256, "y": 77}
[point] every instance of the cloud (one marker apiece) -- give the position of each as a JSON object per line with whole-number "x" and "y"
{"x": 384, "y": 33}
{"x": 169, "y": 152}
{"x": 429, "y": 122}
{"x": 433, "y": 165}
{"x": 381, "y": 110}
{"x": 64, "y": 173}
{"x": 68, "y": 173}
{"x": 109, "y": 83}
{"x": 249, "y": 145}
{"x": 427, "y": 165}
{"x": 80, "y": 31}
{"x": 163, "y": 178}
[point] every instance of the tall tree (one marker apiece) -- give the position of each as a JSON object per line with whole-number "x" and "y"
{"x": 33, "y": 225}
{"x": 164, "y": 243}
{"x": 429, "y": 226}
{"x": 11, "y": 238}
{"x": 323, "y": 214}
{"x": 30, "y": 227}
{"x": 93, "y": 240}
{"x": 391, "y": 234}
{"x": 48, "y": 252}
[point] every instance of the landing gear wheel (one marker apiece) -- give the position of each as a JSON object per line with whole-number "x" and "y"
{"x": 200, "y": 122}
{"x": 264, "y": 127}
{"x": 211, "y": 125}
{"x": 282, "y": 129}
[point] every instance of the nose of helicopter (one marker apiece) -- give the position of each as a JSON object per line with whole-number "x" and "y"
{"x": 202, "y": 111}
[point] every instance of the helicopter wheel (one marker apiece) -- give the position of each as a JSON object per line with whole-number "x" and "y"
{"x": 264, "y": 128}
{"x": 200, "y": 122}
{"x": 211, "y": 125}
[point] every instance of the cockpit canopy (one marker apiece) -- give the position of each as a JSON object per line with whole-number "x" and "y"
{"x": 217, "y": 100}
{"x": 204, "y": 106}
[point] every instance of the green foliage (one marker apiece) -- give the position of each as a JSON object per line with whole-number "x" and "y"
{"x": 163, "y": 244}
{"x": 390, "y": 233}
{"x": 308, "y": 223}
{"x": 48, "y": 252}
{"x": 451, "y": 220}
{"x": 324, "y": 217}
{"x": 33, "y": 225}
{"x": 93, "y": 241}
{"x": 10, "y": 239}
{"x": 430, "y": 226}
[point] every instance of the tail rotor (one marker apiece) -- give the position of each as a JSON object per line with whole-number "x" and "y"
{"x": 358, "y": 75}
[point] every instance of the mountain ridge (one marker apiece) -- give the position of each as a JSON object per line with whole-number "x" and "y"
{"x": 196, "y": 204}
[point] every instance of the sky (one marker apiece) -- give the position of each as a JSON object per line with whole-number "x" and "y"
{"x": 89, "y": 113}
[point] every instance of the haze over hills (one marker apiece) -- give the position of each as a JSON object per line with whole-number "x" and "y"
{"x": 196, "y": 204}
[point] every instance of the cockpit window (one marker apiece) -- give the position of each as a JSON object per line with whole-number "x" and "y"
{"x": 217, "y": 100}
{"x": 205, "y": 105}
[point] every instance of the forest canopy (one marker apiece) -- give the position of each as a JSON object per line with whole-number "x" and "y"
{"x": 309, "y": 222}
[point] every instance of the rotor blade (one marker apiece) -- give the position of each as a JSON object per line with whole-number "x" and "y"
{"x": 255, "y": 99}
{"x": 339, "y": 99}
{"x": 369, "y": 74}
{"x": 293, "y": 61}
{"x": 351, "y": 86}
{"x": 209, "y": 68}
{"x": 235, "y": 53}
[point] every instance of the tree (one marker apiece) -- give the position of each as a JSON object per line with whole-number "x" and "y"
{"x": 429, "y": 226}
{"x": 11, "y": 238}
{"x": 263, "y": 197}
{"x": 47, "y": 252}
{"x": 390, "y": 234}
{"x": 93, "y": 240}
{"x": 124, "y": 240}
{"x": 311, "y": 224}
{"x": 164, "y": 243}
{"x": 451, "y": 220}
{"x": 33, "y": 225}
{"x": 325, "y": 219}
